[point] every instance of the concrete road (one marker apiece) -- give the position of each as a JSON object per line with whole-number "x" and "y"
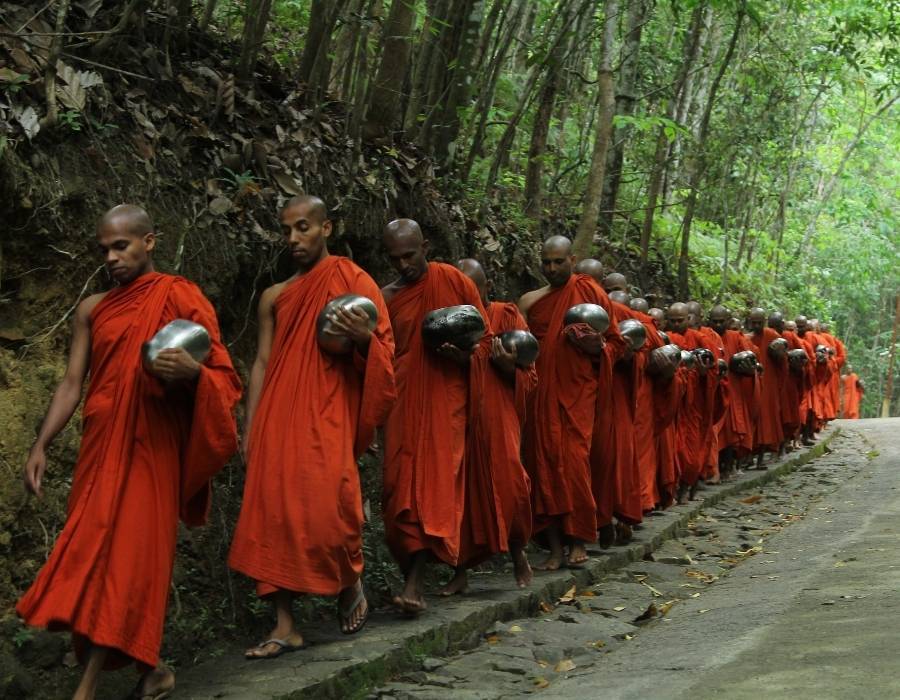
{"x": 826, "y": 626}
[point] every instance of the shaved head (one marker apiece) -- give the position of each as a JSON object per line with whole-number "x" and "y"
{"x": 129, "y": 219}
{"x": 658, "y": 316}
{"x": 615, "y": 282}
{"x": 557, "y": 261}
{"x": 790, "y": 326}
{"x": 677, "y": 317}
{"x": 639, "y": 304}
{"x": 695, "y": 314}
{"x": 472, "y": 269}
{"x": 620, "y": 297}
{"x": 776, "y": 321}
{"x": 719, "y": 317}
{"x": 802, "y": 325}
{"x": 407, "y": 249}
{"x": 592, "y": 267}
{"x": 316, "y": 208}
{"x": 756, "y": 321}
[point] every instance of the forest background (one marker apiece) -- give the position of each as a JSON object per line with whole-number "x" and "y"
{"x": 742, "y": 152}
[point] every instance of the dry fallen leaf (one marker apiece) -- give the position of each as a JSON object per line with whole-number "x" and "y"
{"x": 599, "y": 644}
{"x": 703, "y": 611}
{"x": 648, "y": 614}
{"x": 541, "y": 682}
{"x": 752, "y": 499}
{"x": 545, "y": 607}
{"x": 568, "y": 597}
{"x": 515, "y": 629}
{"x": 587, "y": 594}
{"x": 619, "y": 608}
{"x": 665, "y": 607}
{"x": 564, "y": 666}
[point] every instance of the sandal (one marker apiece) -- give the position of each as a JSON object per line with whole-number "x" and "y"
{"x": 346, "y": 613}
{"x": 283, "y": 645}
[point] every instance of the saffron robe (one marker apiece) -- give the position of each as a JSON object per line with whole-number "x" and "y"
{"x": 794, "y": 388}
{"x": 743, "y": 399}
{"x": 300, "y": 525}
{"x": 498, "y": 490}
{"x": 852, "y": 396}
{"x": 557, "y": 445}
{"x": 713, "y": 342}
{"x": 147, "y": 455}
{"x": 769, "y": 429}
{"x": 425, "y": 434}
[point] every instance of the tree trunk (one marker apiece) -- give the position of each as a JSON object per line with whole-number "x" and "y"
{"x": 52, "y": 115}
{"x": 892, "y": 353}
{"x": 699, "y": 166}
{"x": 691, "y": 46}
{"x": 540, "y": 131}
{"x": 383, "y": 114}
{"x": 256, "y": 18}
{"x": 208, "y": 9}
{"x": 590, "y": 212}
{"x": 626, "y": 100}
{"x": 323, "y": 15}
{"x": 339, "y": 83}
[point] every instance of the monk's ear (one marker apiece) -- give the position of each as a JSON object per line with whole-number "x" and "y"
{"x": 327, "y": 228}
{"x": 426, "y": 246}
{"x": 150, "y": 241}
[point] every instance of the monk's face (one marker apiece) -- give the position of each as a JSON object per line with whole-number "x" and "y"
{"x": 802, "y": 326}
{"x": 557, "y": 265}
{"x": 408, "y": 256}
{"x": 756, "y": 323}
{"x": 718, "y": 321}
{"x": 305, "y": 233}
{"x": 677, "y": 321}
{"x": 126, "y": 255}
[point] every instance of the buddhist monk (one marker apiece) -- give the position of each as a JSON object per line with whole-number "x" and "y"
{"x": 592, "y": 267}
{"x": 797, "y": 384}
{"x": 639, "y": 304}
{"x": 769, "y": 434}
{"x": 808, "y": 406}
{"x": 425, "y": 434}
{"x": 615, "y": 282}
{"x": 853, "y": 391}
{"x": 839, "y": 356}
{"x": 561, "y": 415}
{"x": 153, "y": 437}
{"x": 736, "y": 434}
{"x": 310, "y": 414}
{"x": 712, "y": 341}
{"x": 658, "y": 316}
{"x": 497, "y": 517}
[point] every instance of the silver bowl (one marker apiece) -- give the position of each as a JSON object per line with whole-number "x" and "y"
{"x": 461, "y": 326}
{"x": 525, "y": 343}
{"x": 634, "y": 332}
{"x": 743, "y": 362}
{"x": 177, "y": 334}
{"x": 798, "y": 357}
{"x": 664, "y": 360}
{"x": 688, "y": 359}
{"x": 592, "y": 314}
{"x": 332, "y": 340}
{"x": 705, "y": 357}
{"x": 778, "y": 347}
{"x": 664, "y": 336}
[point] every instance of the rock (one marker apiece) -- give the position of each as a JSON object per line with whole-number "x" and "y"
{"x": 15, "y": 681}
{"x": 672, "y": 552}
{"x": 516, "y": 667}
{"x": 44, "y": 650}
{"x": 431, "y": 664}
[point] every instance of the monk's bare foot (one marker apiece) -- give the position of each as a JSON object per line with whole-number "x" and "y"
{"x": 692, "y": 494}
{"x": 552, "y": 563}
{"x": 521, "y": 568}
{"x": 624, "y": 533}
{"x": 606, "y": 536}
{"x": 682, "y": 494}
{"x": 578, "y": 555}
{"x": 411, "y": 605}
{"x": 155, "y": 685}
{"x": 276, "y": 645}
{"x": 353, "y": 609}
{"x": 459, "y": 584}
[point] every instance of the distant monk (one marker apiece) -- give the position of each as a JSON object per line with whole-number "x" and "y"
{"x": 153, "y": 437}
{"x": 425, "y": 435}
{"x": 498, "y": 516}
{"x": 615, "y": 282}
{"x": 592, "y": 267}
{"x": 769, "y": 434}
{"x": 853, "y": 393}
{"x": 712, "y": 341}
{"x": 792, "y": 400}
{"x": 310, "y": 414}
{"x": 561, "y": 417}
{"x": 639, "y": 304}
{"x": 736, "y": 434}
{"x": 810, "y": 397}
{"x": 839, "y": 359}
{"x": 658, "y": 316}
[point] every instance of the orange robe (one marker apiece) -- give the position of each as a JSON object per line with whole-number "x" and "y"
{"x": 769, "y": 429}
{"x": 792, "y": 417}
{"x": 743, "y": 399}
{"x": 852, "y": 396}
{"x": 557, "y": 445}
{"x": 147, "y": 456}
{"x": 820, "y": 375}
{"x": 669, "y": 397}
{"x": 300, "y": 525}
{"x": 498, "y": 490}
{"x": 425, "y": 434}
{"x": 712, "y": 341}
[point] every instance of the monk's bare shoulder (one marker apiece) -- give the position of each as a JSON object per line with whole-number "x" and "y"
{"x": 527, "y": 300}
{"x": 87, "y": 306}
{"x": 389, "y": 291}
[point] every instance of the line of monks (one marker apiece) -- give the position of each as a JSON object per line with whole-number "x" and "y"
{"x": 483, "y": 453}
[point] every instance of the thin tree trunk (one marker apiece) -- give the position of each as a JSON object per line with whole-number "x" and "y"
{"x": 892, "y": 353}
{"x": 626, "y": 100}
{"x": 699, "y": 166}
{"x": 606, "y": 112}
{"x": 255, "y": 20}
{"x": 383, "y": 114}
{"x": 52, "y": 115}
{"x": 691, "y": 46}
{"x": 361, "y": 81}
{"x": 208, "y": 9}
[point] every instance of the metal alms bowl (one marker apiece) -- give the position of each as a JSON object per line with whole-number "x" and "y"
{"x": 664, "y": 336}
{"x": 525, "y": 343}
{"x": 176, "y": 334}
{"x": 798, "y": 357}
{"x": 592, "y": 314}
{"x": 688, "y": 359}
{"x": 461, "y": 326}
{"x": 778, "y": 347}
{"x": 634, "y": 332}
{"x": 743, "y": 362}
{"x": 705, "y": 357}
{"x": 332, "y": 340}
{"x": 664, "y": 360}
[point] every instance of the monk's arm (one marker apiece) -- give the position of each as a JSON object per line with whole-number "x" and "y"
{"x": 66, "y": 397}
{"x": 263, "y": 350}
